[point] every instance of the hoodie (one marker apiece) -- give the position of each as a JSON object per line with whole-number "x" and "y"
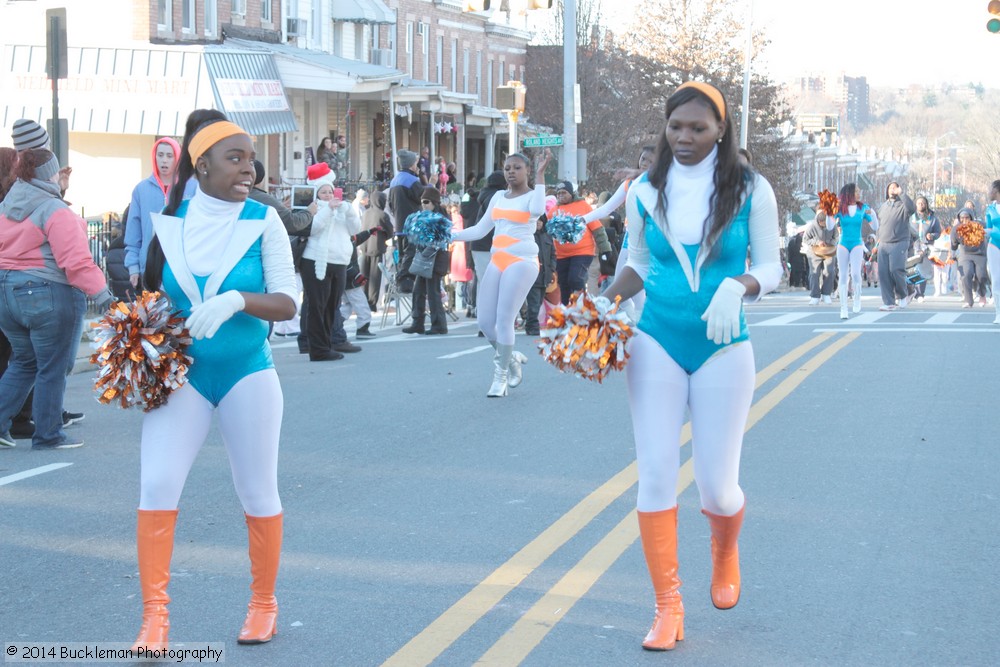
{"x": 149, "y": 196}
{"x": 40, "y": 235}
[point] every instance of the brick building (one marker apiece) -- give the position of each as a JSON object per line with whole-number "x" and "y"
{"x": 290, "y": 71}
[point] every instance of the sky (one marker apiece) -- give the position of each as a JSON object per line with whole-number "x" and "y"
{"x": 892, "y": 42}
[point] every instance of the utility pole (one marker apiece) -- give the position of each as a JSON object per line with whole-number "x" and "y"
{"x": 568, "y": 163}
{"x": 747, "y": 56}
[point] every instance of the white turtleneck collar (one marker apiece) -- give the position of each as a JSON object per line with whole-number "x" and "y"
{"x": 689, "y": 192}
{"x": 208, "y": 227}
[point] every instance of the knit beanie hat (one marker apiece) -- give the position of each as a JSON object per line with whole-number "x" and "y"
{"x": 320, "y": 174}
{"x": 406, "y": 159}
{"x": 567, "y": 186}
{"x": 45, "y": 172}
{"x": 968, "y": 212}
{"x": 430, "y": 192}
{"x": 28, "y": 134}
{"x": 258, "y": 168}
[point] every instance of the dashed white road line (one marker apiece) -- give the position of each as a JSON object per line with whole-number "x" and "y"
{"x": 465, "y": 352}
{"x": 10, "y": 479}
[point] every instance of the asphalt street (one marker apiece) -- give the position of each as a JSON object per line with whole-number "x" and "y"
{"x": 427, "y": 524}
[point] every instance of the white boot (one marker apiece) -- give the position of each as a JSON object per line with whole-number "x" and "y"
{"x": 514, "y": 370}
{"x": 501, "y": 364}
{"x": 842, "y": 289}
{"x": 857, "y": 302}
{"x": 996, "y": 304}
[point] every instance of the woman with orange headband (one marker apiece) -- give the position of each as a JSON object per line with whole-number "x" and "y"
{"x": 692, "y": 218}
{"x": 225, "y": 263}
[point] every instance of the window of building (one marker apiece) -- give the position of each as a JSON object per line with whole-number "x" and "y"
{"x": 439, "y": 67}
{"x": 240, "y": 7}
{"x": 465, "y": 71}
{"x": 489, "y": 84}
{"x": 454, "y": 64}
{"x": 409, "y": 48}
{"x": 479, "y": 76}
{"x": 425, "y": 49}
{"x": 187, "y": 15}
{"x": 211, "y": 17}
{"x": 521, "y": 78}
{"x": 165, "y": 14}
{"x": 265, "y": 11}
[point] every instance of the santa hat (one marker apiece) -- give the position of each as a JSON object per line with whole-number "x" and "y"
{"x": 320, "y": 174}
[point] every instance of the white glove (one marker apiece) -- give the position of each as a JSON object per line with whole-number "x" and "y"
{"x": 723, "y": 313}
{"x": 206, "y": 318}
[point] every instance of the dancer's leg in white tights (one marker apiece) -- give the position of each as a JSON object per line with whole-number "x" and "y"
{"x": 849, "y": 265}
{"x": 500, "y": 298}
{"x": 719, "y": 395}
{"x": 249, "y": 418}
{"x": 993, "y": 265}
{"x": 250, "y": 421}
{"x": 172, "y": 436}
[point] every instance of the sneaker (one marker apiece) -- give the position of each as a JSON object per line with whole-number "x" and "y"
{"x": 905, "y": 301}
{"x": 920, "y": 299}
{"x": 70, "y": 418}
{"x": 345, "y": 347}
{"x": 966, "y": 305}
{"x": 7, "y": 440}
{"x": 888, "y": 308}
{"x": 813, "y": 301}
{"x": 364, "y": 332}
{"x": 533, "y": 332}
{"x": 827, "y": 299}
{"x": 68, "y": 443}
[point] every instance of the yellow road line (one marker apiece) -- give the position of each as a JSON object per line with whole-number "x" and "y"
{"x": 433, "y": 640}
{"x": 518, "y": 642}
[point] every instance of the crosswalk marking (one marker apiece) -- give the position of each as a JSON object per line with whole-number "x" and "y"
{"x": 943, "y": 318}
{"x": 867, "y": 318}
{"x": 780, "y": 320}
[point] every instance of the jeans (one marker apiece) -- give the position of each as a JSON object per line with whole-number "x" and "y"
{"x": 43, "y": 321}
{"x": 572, "y": 273}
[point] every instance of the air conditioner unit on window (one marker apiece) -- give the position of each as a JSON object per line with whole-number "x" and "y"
{"x": 422, "y": 29}
{"x": 382, "y": 57}
{"x": 295, "y": 27}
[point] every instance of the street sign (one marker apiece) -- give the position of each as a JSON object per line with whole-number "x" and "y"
{"x": 539, "y": 142}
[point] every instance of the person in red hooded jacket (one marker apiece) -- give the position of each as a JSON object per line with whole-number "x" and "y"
{"x": 148, "y": 197}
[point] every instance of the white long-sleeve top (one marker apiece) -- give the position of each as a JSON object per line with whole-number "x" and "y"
{"x": 208, "y": 227}
{"x": 330, "y": 237}
{"x": 688, "y": 190}
{"x": 610, "y": 206}
{"x": 514, "y": 218}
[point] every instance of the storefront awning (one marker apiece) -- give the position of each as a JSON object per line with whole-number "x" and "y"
{"x": 363, "y": 11}
{"x": 248, "y": 89}
{"x": 145, "y": 91}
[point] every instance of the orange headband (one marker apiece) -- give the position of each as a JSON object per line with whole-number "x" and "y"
{"x": 710, "y": 91}
{"x": 210, "y": 135}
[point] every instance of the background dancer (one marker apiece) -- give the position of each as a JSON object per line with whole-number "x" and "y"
{"x": 851, "y": 250}
{"x": 226, "y": 264}
{"x": 513, "y": 264}
{"x": 693, "y": 216}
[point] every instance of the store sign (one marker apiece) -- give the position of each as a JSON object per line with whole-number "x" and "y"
{"x": 242, "y": 95}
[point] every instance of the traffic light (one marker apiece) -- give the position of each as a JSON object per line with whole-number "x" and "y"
{"x": 993, "y": 25}
{"x": 484, "y": 5}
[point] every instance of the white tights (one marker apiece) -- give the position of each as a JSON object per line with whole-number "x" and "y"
{"x": 849, "y": 263}
{"x": 718, "y": 395}
{"x": 500, "y": 297}
{"x": 993, "y": 265}
{"x": 250, "y": 422}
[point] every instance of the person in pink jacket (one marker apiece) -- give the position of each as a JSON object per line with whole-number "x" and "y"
{"x": 46, "y": 273}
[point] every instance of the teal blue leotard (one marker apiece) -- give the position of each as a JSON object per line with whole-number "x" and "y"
{"x": 672, "y": 315}
{"x": 993, "y": 224}
{"x": 850, "y": 226}
{"x": 240, "y": 346}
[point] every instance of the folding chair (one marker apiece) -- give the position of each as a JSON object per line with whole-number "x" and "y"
{"x": 401, "y": 303}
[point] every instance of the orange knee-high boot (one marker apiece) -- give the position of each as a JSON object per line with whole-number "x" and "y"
{"x": 155, "y": 546}
{"x": 725, "y": 558}
{"x": 265, "y": 550}
{"x": 659, "y": 543}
